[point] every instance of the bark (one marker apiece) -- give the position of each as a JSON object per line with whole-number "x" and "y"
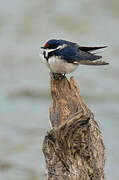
{"x": 74, "y": 148}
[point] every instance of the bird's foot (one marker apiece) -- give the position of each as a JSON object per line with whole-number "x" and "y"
{"x": 58, "y": 76}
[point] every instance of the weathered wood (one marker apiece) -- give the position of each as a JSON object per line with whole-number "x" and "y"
{"x": 73, "y": 149}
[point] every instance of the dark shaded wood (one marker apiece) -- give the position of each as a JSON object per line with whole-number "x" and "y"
{"x": 73, "y": 149}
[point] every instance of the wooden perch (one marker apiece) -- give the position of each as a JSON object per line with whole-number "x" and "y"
{"x": 73, "y": 149}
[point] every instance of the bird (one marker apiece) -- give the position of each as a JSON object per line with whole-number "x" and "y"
{"x": 63, "y": 57}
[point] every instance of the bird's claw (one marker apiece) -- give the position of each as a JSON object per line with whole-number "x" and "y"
{"x": 58, "y": 76}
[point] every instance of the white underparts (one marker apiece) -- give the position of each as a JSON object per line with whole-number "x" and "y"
{"x": 58, "y": 65}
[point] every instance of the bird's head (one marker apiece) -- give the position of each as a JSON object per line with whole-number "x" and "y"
{"x": 51, "y": 44}
{"x": 54, "y": 44}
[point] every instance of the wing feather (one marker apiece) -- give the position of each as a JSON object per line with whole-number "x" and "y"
{"x": 88, "y": 49}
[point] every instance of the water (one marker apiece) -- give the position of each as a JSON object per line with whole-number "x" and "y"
{"x": 24, "y": 80}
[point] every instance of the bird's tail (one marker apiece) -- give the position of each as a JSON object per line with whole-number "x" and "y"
{"x": 89, "y": 58}
{"x": 95, "y": 63}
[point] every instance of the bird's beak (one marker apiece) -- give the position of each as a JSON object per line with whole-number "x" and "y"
{"x": 43, "y": 47}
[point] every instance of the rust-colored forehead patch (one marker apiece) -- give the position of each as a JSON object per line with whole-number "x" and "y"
{"x": 46, "y": 45}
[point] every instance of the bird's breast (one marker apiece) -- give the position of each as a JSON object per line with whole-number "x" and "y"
{"x": 58, "y": 65}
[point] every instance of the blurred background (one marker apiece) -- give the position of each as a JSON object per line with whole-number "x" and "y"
{"x": 25, "y": 25}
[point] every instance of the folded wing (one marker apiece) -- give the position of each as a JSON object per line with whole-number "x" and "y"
{"x": 82, "y": 55}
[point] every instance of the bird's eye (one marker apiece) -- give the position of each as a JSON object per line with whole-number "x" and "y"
{"x": 50, "y": 46}
{"x": 53, "y": 46}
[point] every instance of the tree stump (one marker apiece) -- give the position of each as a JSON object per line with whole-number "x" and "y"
{"x": 73, "y": 149}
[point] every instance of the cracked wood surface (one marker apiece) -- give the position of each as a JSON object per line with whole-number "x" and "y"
{"x": 73, "y": 149}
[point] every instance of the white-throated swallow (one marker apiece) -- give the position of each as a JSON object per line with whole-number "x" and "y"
{"x": 63, "y": 57}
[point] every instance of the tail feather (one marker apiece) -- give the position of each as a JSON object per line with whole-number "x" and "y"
{"x": 88, "y": 49}
{"x": 95, "y": 63}
{"x": 86, "y": 56}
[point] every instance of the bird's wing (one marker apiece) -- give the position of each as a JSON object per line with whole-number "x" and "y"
{"x": 78, "y": 55}
{"x": 81, "y": 55}
{"x": 89, "y": 49}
